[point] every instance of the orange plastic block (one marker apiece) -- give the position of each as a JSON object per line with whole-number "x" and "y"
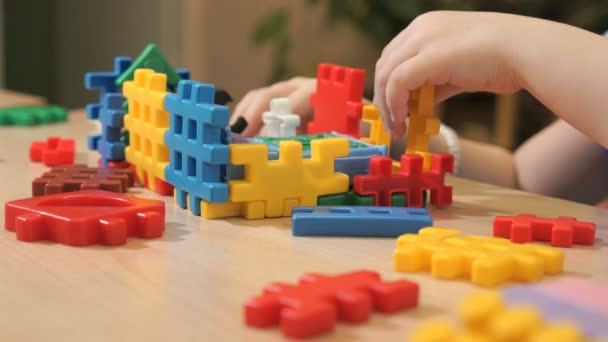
{"x": 271, "y": 188}
{"x": 422, "y": 123}
{"x": 85, "y": 217}
{"x": 378, "y": 135}
{"x": 486, "y": 319}
{"x": 488, "y": 261}
{"x": 147, "y": 121}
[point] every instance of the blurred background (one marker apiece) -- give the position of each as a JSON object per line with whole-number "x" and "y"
{"x": 242, "y": 45}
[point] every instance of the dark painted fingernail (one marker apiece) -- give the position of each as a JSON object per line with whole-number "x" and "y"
{"x": 239, "y": 125}
{"x": 222, "y": 97}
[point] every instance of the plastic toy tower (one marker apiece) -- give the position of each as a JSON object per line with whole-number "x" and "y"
{"x": 150, "y": 58}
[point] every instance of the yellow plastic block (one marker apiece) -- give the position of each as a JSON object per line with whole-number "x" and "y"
{"x": 422, "y": 123}
{"x": 220, "y": 210}
{"x": 272, "y": 187}
{"x": 147, "y": 122}
{"x": 486, "y": 319}
{"x": 378, "y": 135}
{"x": 488, "y": 261}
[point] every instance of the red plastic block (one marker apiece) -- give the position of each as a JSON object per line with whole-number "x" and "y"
{"x": 54, "y": 151}
{"x": 562, "y": 231}
{"x": 411, "y": 180}
{"x": 85, "y": 217}
{"x": 312, "y": 306}
{"x": 337, "y": 101}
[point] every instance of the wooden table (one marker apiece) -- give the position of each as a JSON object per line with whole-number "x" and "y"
{"x": 190, "y": 285}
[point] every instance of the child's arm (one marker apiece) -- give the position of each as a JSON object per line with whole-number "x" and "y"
{"x": 563, "y": 66}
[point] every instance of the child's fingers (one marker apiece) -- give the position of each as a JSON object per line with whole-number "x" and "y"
{"x": 446, "y": 91}
{"x": 299, "y": 100}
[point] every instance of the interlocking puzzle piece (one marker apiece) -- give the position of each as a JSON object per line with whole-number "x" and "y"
{"x": 79, "y": 177}
{"x": 110, "y": 144}
{"x": 562, "y": 231}
{"x": 486, "y": 318}
{"x": 337, "y": 101}
{"x": 280, "y": 122}
{"x": 150, "y": 58}
{"x": 559, "y": 308}
{"x": 32, "y": 115}
{"x": 488, "y": 261}
{"x": 104, "y": 82}
{"x": 312, "y": 306}
{"x": 358, "y": 221}
{"x": 85, "y": 217}
{"x": 411, "y": 180}
{"x": 54, "y": 151}
{"x": 147, "y": 121}
{"x": 272, "y": 188}
{"x": 422, "y": 124}
{"x": 198, "y": 144}
{"x": 350, "y": 199}
{"x": 378, "y": 135}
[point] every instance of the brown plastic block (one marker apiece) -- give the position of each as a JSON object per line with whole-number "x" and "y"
{"x": 80, "y": 177}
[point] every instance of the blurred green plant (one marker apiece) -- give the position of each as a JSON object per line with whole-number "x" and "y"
{"x": 381, "y": 20}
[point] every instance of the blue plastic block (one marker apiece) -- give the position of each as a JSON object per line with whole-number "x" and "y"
{"x": 358, "y": 221}
{"x": 198, "y": 144}
{"x": 111, "y": 115}
{"x": 592, "y": 322}
{"x": 103, "y": 81}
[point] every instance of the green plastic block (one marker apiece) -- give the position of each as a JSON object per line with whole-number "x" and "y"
{"x": 352, "y": 199}
{"x": 150, "y": 58}
{"x": 32, "y": 115}
{"x": 305, "y": 140}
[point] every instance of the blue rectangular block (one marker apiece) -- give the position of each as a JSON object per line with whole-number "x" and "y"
{"x": 358, "y": 221}
{"x": 593, "y": 323}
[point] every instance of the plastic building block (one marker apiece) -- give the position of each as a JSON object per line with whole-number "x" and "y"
{"x": 560, "y": 308}
{"x": 312, "y": 306}
{"x": 54, "y": 151}
{"x": 346, "y": 198}
{"x": 486, "y": 318}
{"x": 488, "y": 261}
{"x": 32, "y": 115}
{"x": 110, "y": 144}
{"x": 147, "y": 122}
{"x": 422, "y": 124}
{"x": 79, "y": 177}
{"x": 410, "y": 180}
{"x": 279, "y": 121}
{"x": 378, "y": 135}
{"x": 150, "y": 58}
{"x": 84, "y": 218}
{"x": 239, "y": 125}
{"x": 562, "y": 231}
{"x": 271, "y": 188}
{"x": 104, "y": 82}
{"x": 358, "y": 221}
{"x": 337, "y": 101}
{"x": 198, "y": 144}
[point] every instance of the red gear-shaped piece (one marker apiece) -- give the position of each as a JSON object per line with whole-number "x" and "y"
{"x": 54, "y": 151}
{"x": 85, "y": 217}
{"x": 561, "y": 232}
{"x": 312, "y": 306}
{"x": 337, "y": 101}
{"x": 411, "y": 180}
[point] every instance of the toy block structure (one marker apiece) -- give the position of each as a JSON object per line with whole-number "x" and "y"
{"x": 32, "y": 115}
{"x": 312, "y": 306}
{"x": 198, "y": 145}
{"x": 105, "y": 83}
{"x": 79, "y": 177}
{"x": 486, "y": 317}
{"x": 561, "y": 232}
{"x": 358, "y": 221}
{"x": 147, "y": 121}
{"x": 573, "y": 299}
{"x": 337, "y": 101}
{"x": 84, "y": 218}
{"x": 110, "y": 144}
{"x": 488, "y": 261}
{"x": 150, "y": 58}
{"x": 411, "y": 180}
{"x": 422, "y": 123}
{"x": 279, "y": 121}
{"x": 54, "y": 151}
{"x": 378, "y": 135}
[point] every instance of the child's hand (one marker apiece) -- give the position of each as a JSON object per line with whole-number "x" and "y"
{"x": 257, "y": 101}
{"x": 455, "y": 51}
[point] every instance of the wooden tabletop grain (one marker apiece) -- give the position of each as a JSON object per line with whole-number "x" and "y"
{"x": 190, "y": 285}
